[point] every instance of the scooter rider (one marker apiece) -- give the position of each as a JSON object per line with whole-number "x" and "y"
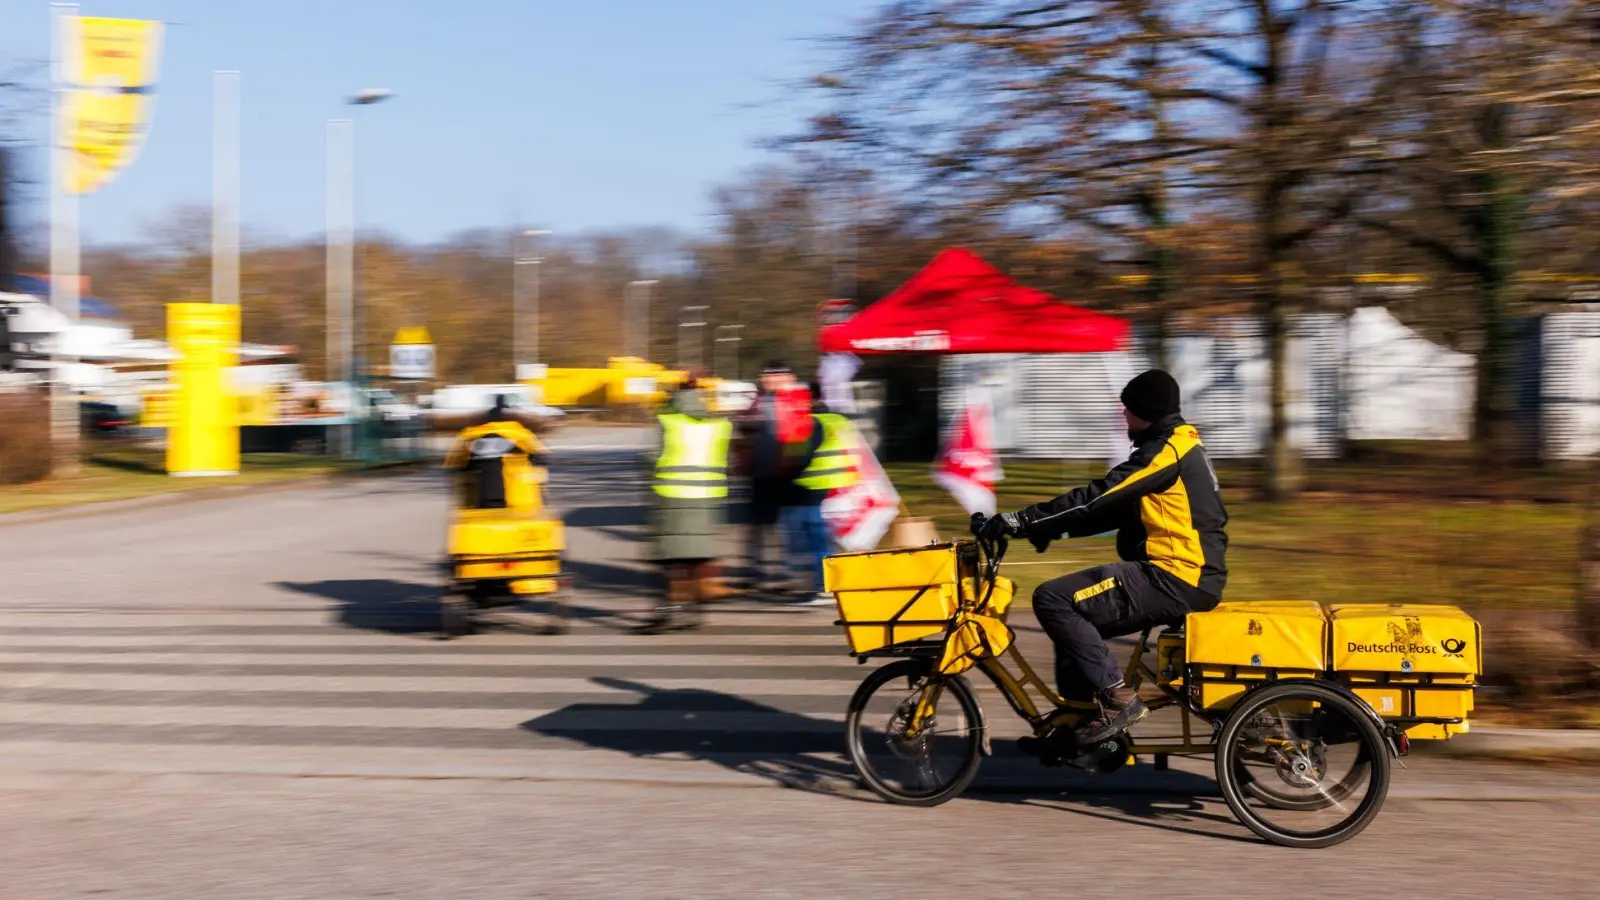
{"x": 1165, "y": 504}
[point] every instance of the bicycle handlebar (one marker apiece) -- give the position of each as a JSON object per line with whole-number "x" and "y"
{"x": 993, "y": 551}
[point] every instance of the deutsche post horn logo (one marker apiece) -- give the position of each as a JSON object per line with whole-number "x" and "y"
{"x": 1254, "y": 627}
{"x": 1453, "y": 647}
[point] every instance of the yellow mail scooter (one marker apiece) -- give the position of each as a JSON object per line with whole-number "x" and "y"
{"x": 504, "y": 543}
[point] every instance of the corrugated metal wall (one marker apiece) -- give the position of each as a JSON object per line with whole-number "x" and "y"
{"x": 1569, "y": 400}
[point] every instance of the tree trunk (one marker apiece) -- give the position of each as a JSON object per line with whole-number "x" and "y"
{"x": 1282, "y": 458}
{"x": 1491, "y": 224}
{"x": 1284, "y": 472}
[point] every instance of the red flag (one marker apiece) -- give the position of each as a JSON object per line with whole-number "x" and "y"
{"x": 860, "y": 515}
{"x": 968, "y": 466}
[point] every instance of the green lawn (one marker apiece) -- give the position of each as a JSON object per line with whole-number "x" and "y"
{"x": 120, "y": 473}
{"x": 1359, "y": 534}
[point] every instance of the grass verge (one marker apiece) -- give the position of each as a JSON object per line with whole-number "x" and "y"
{"x": 1343, "y": 541}
{"x": 123, "y": 473}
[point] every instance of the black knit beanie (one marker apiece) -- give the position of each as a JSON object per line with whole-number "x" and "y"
{"x": 1151, "y": 395}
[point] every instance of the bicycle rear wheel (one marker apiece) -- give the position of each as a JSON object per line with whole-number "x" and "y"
{"x": 903, "y": 764}
{"x": 1302, "y": 765}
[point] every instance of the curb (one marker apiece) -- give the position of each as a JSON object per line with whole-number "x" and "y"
{"x": 1520, "y": 743}
{"x": 174, "y": 498}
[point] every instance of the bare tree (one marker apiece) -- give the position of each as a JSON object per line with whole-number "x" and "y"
{"x": 1493, "y": 145}
{"x": 1128, "y": 119}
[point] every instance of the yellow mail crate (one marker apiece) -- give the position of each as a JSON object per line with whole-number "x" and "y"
{"x": 876, "y": 619}
{"x": 1411, "y": 662}
{"x": 474, "y": 534}
{"x": 890, "y": 597}
{"x": 1262, "y": 634}
{"x": 874, "y": 570}
{"x": 1405, "y": 638}
{"x": 1235, "y": 644}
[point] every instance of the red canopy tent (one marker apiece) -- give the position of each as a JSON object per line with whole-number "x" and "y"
{"x": 960, "y": 304}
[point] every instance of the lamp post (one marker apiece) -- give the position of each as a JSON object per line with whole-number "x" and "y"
{"x": 691, "y": 317}
{"x": 341, "y": 249}
{"x": 639, "y": 291}
{"x": 731, "y": 341}
{"x": 522, "y": 258}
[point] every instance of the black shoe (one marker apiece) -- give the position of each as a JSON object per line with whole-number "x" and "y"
{"x": 1120, "y": 709}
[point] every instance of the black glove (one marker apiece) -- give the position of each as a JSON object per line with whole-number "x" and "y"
{"x": 1003, "y": 525}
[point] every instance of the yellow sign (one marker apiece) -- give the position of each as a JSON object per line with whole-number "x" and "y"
{"x": 257, "y": 405}
{"x": 413, "y": 334}
{"x": 155, "y": 408}
{"x": 109, "y": 66}
{"x": 204, "y": 436}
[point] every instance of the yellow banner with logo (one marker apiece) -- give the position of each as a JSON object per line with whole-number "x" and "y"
{"x": 204, "y": 436}
{"x": 109, "y": 70}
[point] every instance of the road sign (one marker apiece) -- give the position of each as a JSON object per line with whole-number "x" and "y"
{"x": 413, "y": 334}
{"x": 413, "y": 361}
{"x": 834, "y": 312}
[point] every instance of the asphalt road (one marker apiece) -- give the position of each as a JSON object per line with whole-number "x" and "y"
{"x": 243, "y": 697}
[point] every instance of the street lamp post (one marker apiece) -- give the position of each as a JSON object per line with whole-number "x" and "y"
{"x": 732, "y": 343}
{"x": 341, "y": 250}
{"x": 639, "y": 291}
{"x": 522, "y": 258}
{"x": 685, "y": 314}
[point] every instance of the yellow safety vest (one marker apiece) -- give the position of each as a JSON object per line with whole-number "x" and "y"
{"x": 694, "y": 457}
{"x": 833, "y": 465}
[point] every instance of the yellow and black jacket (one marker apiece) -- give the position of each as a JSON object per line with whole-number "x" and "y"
{"x": 1164, "y": 502}
{"x": 496, "y": 460}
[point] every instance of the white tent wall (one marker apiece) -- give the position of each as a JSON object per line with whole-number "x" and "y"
{"x": 1366, "y": 377}
{"x": 1064, "y": 406}
{"x": 1569, "y": 398}
{"x": 1402, "y": 386}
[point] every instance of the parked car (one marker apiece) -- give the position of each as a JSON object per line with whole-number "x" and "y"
{"x": 102, "y": 418}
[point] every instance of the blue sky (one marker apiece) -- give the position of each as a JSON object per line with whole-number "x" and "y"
{"x": 573, "y": 114}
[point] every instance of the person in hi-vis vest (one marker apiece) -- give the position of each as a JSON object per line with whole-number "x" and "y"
{"x": 690, "y": 487}
{"x": 830, "y": 465}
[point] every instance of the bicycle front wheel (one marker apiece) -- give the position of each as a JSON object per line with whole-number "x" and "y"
{"x": 903, "y": 760}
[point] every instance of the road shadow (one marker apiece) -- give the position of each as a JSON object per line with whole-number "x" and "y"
{"x": 606, "y": 577}
{"x": 377, "y": 604}
{"x": 409, "y": 608}
{"x": 624, "y": 523}
{"x": 607, "y": 516}
{"x": 805, "y": 753}
{"x": 779, "y": 751}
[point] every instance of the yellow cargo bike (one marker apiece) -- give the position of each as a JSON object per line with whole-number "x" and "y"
{"x": 1303, "y": 708}
{"x": 504, "y": 542}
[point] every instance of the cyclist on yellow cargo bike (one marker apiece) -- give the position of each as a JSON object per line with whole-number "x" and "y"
{"x": 1302, "y": 706}
{"x": 1165, "y": 504}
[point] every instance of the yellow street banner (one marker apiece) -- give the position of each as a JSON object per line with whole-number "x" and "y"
{"x": 204, "y": 436}
{"x": 109, "y": 69}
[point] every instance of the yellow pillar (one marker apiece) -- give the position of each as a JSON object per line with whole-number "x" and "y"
{"x": 204, "y": 436}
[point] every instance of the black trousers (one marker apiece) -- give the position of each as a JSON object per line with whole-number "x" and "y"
{"x": 765, "y": 498}
{"x": 1080, "y": 611}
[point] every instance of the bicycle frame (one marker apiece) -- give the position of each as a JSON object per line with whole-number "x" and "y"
{"x": 1058, "y": 711}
